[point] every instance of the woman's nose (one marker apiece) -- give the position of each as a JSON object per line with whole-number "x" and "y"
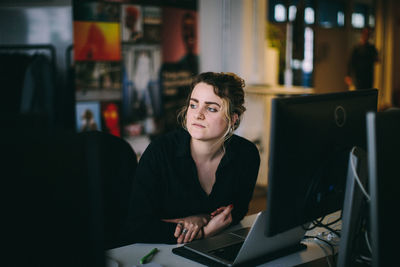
{"x": 200, "y": 114}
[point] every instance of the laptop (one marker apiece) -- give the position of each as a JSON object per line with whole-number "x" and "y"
{"x": 243, "y": 246}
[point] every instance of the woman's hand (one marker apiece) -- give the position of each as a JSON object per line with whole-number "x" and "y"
{"x": 220, "y": 219}
{"x": 217, "y": 211}
{"x": 188, "y": 228}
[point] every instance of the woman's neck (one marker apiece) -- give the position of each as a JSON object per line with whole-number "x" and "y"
{"x": 205, "y": 151}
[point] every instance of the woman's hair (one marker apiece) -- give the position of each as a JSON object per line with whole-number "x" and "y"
{"x": 229, "y": 87}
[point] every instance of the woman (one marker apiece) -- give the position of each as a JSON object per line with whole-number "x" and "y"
{"x": 194, "y": 182}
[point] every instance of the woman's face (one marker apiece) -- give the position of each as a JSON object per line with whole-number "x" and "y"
{"x": 205, "y": 119}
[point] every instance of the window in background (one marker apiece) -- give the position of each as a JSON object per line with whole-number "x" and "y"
{"x": 331, "y": 13}
{"x": 309, "y": 15}
{"x": 363, "y": 15}
{"x": 279, "y": 13}
{"x": 301, "y": 15}
{"x": 340, "y": 18}
{"x": 292, "y": 12}
{"x": 285, "y": 10}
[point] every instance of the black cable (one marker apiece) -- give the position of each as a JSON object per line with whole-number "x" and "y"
{"x": 318, "y": 224}
{"x": 314, "y": 225}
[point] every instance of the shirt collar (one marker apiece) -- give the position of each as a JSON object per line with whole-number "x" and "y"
{"x": 183, "y": 149}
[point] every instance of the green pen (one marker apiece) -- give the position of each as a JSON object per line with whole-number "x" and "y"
{"x": 148, "y": 256}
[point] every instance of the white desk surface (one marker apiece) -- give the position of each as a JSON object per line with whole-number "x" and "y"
{"x": 128, "y": 256}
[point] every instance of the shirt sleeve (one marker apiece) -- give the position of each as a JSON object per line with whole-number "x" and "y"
{"x": 246, "y": 183}
{"x": 144, "y": 224}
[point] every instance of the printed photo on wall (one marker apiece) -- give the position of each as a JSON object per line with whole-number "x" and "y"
{"x": 97, "y": 41}
{"x": 180, "y": 60}
{"x": 95, "y": 11}
{"x": 152, "y": 24}
{"x": 111, "y": 119}
{"x": 141, "y": 88}
{"x": 98, "y": 80}
{"x": 87, "y": 116}
{"x": 179, "y": 39}
{"x": 131, "y": 23}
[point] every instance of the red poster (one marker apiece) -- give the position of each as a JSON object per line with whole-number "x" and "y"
{"x": 96, "y": 41}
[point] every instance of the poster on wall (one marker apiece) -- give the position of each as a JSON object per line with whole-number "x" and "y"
{"x": 95, "y": 41}
{"x": 88, "y": 116}
{"x": 111, "y": 118}
{"x": 180, "y": 60}
{"x": 131, "y": 23}
{"x": 141, "y": 90}
{"x": 95, "y": 11}
{"x": 152, "y": 18}
{"x": 97, "y": 80}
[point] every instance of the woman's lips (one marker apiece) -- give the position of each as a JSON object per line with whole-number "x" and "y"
{"x": 198, "y": 125}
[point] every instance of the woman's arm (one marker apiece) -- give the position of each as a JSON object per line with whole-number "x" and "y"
{"x": 144, "y": 223}
{"x": 219, "y": 222}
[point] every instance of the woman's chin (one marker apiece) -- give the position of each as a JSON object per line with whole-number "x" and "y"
{"x": 196, "y": 134}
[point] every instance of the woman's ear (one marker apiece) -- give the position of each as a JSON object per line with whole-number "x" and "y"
{"x": 235, "y": 118}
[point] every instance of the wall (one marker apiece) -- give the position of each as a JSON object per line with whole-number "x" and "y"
{"x": 396, "y": 55}
{"x": 38, "y": 22}
{"x": 232, "y": 37}
{"x": 42, "y": 22}
{"x": 330, "y": 60}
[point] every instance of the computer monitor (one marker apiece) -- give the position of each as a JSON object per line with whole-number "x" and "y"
{"x": 383, "y": 131}
{"x": 353, "y": 246}
{"x": 311, "y": 137}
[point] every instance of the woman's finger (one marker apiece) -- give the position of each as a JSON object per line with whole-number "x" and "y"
{"x": 217, "y": 211}
{"x": 194, "y": 234}
{"x": 188, "y": 235}
{"x": 227, "y": 211}
{"x": 182, "y": 236}
{"x": 178, "y": 229}
{"x": 171, "y": 220}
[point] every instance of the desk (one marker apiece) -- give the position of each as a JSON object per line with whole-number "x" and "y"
{"x": 130, "y": 255}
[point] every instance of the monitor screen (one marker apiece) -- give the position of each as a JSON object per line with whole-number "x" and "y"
{"x": 383, "y": 132}
{"x": 311, "y": 137}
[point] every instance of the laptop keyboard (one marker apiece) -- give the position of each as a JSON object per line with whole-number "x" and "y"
{"x": 242, "y": 232}
{"x": 229, "y": 252}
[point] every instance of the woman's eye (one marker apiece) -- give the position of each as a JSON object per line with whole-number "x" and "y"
{"x": 212, "y": 109}
{"x": 192, "y": 106}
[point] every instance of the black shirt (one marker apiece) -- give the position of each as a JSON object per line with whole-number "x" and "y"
{"x": 166, "y": 186}
{"x": 361, "y": 65}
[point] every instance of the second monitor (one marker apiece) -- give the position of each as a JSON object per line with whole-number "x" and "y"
{"x": 310, "y": 141}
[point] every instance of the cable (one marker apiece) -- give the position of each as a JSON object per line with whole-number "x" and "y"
{"x": 356, "y": 175}
{"x": 365, "y": 259}
{"x": 328, "y": 228}
{"x": 319, "y": 223}
{"x": 367, "y": 242}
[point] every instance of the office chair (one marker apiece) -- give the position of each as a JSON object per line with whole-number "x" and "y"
{"x": 52, "y": 215}
{"x": 64, "y": 196}
{"x": 112, "y": 162}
